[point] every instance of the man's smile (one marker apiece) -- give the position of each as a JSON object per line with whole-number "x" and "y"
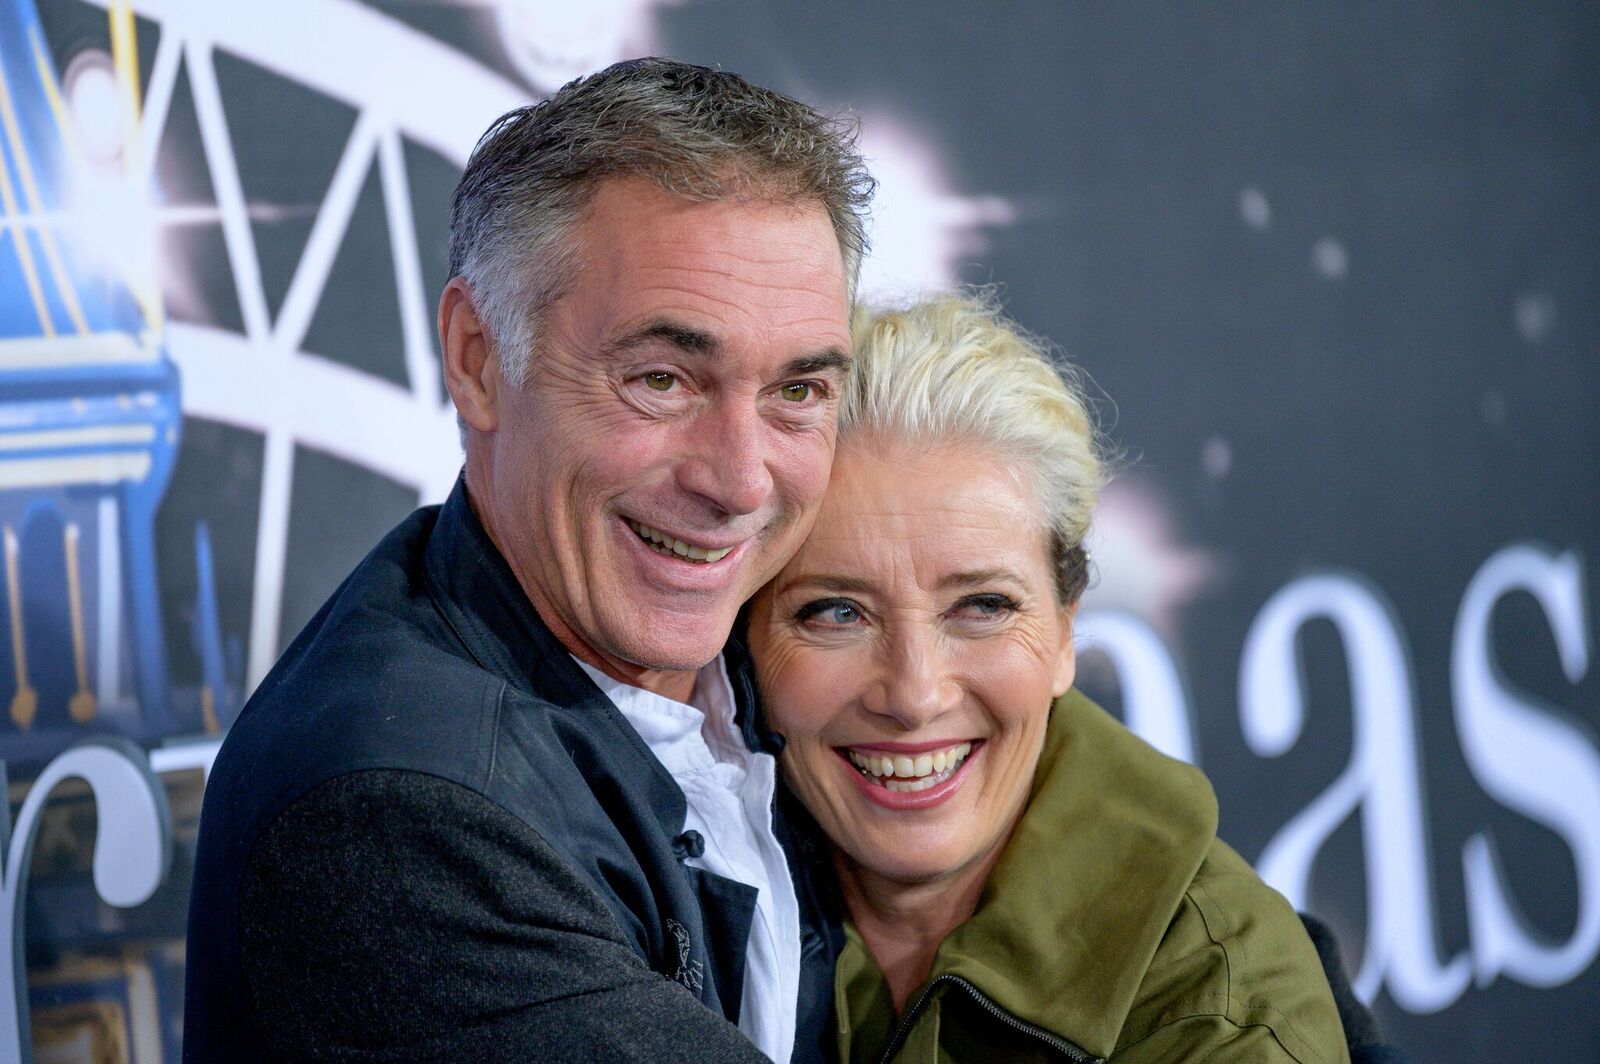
{"x": 664, "y": 543}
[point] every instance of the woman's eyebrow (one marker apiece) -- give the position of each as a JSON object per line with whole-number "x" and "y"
{"x": 830, "y": 582}
{"x": 978, "y": 578}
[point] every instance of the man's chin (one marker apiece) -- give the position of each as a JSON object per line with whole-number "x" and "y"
{"x": 678, "y": 645}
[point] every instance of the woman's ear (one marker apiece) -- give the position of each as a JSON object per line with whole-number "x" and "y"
{"x": 471, "y": 372}
{"x": 1067, "y": 654}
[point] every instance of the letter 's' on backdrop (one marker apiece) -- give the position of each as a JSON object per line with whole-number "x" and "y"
{"x": 1336, "y": 268}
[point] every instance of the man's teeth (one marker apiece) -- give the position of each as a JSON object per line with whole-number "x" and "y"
{"x": 908, "y": 772}
{"x": 665, "y": 544}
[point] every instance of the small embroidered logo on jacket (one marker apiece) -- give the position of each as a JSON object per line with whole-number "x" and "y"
{"x": 690, "y": 973}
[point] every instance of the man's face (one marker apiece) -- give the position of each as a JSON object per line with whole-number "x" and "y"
{"x": 672, "y": 443}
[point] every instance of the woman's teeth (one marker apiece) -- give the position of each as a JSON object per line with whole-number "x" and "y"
{"x": 910, "y": 772}
{"x": 665, "y": 544}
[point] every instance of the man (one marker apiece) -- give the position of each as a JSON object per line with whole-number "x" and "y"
{"x": 502, "y": 798}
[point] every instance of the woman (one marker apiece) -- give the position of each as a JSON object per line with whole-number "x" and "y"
{"x": 1024, "y": 879}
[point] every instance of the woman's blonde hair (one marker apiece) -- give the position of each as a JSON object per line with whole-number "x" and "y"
{"x": 954, "y": 368}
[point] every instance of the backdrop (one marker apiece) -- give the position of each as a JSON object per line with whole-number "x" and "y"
{"x": 1332, "y": 270}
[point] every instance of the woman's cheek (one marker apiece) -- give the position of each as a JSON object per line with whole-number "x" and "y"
{"x": 789, "y": 674}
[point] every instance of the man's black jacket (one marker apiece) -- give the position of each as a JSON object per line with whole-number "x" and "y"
{"x": 429, "y": 837}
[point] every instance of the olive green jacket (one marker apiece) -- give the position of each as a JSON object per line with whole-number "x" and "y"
{"x": 1115, "y": 926}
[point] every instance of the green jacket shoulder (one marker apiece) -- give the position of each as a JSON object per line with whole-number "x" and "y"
{"x": 1235, "y": 978}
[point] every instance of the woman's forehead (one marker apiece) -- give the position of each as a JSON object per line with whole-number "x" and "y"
{"x": 929, "y": 511}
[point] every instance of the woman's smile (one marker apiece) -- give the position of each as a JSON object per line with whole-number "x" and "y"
{"x": 905, "y": 773}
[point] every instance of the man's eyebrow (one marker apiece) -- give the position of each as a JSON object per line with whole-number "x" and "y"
{"x": 830, "y": 359}
{"x": 697, "y": 342}
{"x": 683, "y": 337}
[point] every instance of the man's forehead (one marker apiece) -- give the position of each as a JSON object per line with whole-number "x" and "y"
{"x": 630, "y": 214}
{"x": 702, "y": 276}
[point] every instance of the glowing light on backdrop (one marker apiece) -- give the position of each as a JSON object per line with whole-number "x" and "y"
{"x": 553, "y": 43}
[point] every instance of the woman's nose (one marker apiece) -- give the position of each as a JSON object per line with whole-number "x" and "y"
{"x": 914, "y": 687}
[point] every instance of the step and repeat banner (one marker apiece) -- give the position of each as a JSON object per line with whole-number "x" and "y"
{"x": 1334, "y": 272}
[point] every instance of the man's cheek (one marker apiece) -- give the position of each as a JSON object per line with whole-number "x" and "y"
{"x": 809, "y": 460}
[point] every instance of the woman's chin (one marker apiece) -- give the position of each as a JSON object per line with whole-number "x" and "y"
{"x": 908, "y": 859}
{"x": 910, "y": 872}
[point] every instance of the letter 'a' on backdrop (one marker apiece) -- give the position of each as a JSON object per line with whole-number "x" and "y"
{"x": 1332, "y": 268}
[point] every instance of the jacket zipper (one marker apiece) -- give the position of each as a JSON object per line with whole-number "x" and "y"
{"x": 1060, "y": 1045}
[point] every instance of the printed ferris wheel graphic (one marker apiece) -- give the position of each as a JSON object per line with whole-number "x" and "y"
{"x": 109, "y": 321}
{"x": 263, "y": 377}
{"x": 106, "y": 145}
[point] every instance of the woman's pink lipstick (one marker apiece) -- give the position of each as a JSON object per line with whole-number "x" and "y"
{"x": 904, "y": 801}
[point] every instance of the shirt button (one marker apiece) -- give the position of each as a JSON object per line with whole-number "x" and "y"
{"x": 690, "y": 844}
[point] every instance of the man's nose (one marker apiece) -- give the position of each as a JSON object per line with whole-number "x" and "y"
{"x": 725, "y": 457}
{"x": 914, "y": 686}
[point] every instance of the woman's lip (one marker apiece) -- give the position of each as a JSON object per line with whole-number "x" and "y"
{"x": 908, "y": 801}
{"x": 907, "y": 748}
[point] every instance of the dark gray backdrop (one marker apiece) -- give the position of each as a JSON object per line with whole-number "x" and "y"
{"x": 1333, "y": 270}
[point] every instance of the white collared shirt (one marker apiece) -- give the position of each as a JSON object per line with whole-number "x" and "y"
{"x": 729, "y": 789}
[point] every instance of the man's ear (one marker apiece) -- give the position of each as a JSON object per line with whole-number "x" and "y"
{"x": 1067, "y": 654}
{"x": 470, "y": 369}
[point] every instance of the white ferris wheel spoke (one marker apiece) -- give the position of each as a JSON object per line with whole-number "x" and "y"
{"x": 327, "y": 232}
{"x": 229, "y": 189}
{"x": 322, "y": 404}
{"x": 272, "y": 549}
{"x": 415, "y": 320}
{"x": 308, "y": 41}
{"x": 157, "y": 100}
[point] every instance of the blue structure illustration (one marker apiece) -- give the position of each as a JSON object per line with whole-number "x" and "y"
{"x": 89, "y": 427}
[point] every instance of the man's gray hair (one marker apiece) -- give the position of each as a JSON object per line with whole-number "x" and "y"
{"x": 697, "y": 133}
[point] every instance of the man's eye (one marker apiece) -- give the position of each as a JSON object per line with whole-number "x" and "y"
{"x": 830, "y": 613}
{"x": 797, "y": 391}
{"x": 660, "y": 382}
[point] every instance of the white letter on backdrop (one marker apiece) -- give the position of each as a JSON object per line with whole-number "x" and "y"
{"x": 1382, "y": 779}
{"x": 1154, "y": 706}
{"x": 1530, "y": 760}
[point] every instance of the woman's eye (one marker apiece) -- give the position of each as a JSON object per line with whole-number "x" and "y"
{"x": 985, "y": 607}
{"x": 797, "y": 391}
{"x": 829, "y": 613}
{"x": 659, "y": 382}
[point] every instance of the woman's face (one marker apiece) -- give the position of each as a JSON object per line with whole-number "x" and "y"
{"x": 909, "y": 654}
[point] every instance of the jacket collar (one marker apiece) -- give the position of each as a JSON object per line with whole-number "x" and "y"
{"x": 481, "y": 599}
{"x": 1082, "y": 895}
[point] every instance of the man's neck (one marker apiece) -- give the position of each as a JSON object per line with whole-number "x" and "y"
{"x": 668, "y": 683}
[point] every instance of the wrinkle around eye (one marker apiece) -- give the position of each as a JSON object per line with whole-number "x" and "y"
{"x": 970, "y": 620}
{"x": 817, "y": 407}
{"x": 636, "y": 391}
{"x": 987, "y": 607}
{"x": 817, "y": 613}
